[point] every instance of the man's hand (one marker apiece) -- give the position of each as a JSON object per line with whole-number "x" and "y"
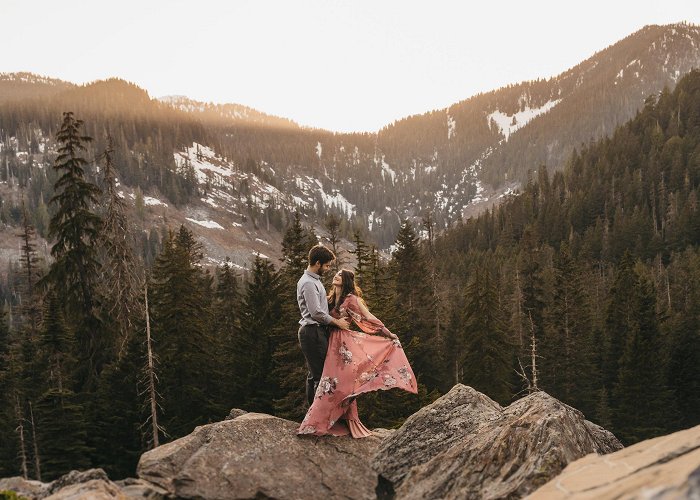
{"x": 342, "y": 323}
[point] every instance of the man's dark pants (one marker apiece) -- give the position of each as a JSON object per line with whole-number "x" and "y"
{"x": 313, "y": 340}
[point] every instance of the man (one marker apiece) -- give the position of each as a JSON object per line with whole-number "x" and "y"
{"x": 313, "y": 305}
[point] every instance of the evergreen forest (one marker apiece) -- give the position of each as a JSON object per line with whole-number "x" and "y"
{"x": 585, "y": 285}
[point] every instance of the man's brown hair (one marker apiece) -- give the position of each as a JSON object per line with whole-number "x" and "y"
{"x": 321, "y": 254}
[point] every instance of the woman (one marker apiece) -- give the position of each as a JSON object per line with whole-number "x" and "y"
{"x": 355, "y": 363}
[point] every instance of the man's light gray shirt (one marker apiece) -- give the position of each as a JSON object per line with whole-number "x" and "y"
{"x": 313, "y": 303}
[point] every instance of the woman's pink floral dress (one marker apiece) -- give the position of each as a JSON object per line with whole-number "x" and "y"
{"x": 355, "y": 363}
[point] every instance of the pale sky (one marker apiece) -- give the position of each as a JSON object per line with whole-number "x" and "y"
{"x": 353, "y": 65}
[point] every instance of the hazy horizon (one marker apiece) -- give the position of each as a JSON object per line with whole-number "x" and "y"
{"x": 340, "y": 66}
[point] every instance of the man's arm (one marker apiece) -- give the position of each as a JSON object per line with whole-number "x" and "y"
{"x": 308, "y": 290}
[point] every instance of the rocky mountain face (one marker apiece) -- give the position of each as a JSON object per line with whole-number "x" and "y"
{"x": 464, "y": 445}
{"x": 229, "y": 168}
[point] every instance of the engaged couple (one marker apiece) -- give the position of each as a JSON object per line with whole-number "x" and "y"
{"x": 343, "y": 363}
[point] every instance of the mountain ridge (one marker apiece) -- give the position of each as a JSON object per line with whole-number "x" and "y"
{"x": 454, "y": 162}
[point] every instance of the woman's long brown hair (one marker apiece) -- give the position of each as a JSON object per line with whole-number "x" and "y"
{"x": 348, "y": 286}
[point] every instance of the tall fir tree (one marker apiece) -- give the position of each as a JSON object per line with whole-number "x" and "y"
{"x": 226, "y": 321}
{"x": 568, "y": 372}
{"x": 487, "y": 354}
{"x": 642, "y": 399}
{"x": 258, "y": 385}
{"x": 76, "y": 228}
{"x": 413, "y": 306}
{"x": 61, "y": 427}
{"x": 361, "y": 257}
{"x": 620, "y": 320}
{"x": 184, "y": 342}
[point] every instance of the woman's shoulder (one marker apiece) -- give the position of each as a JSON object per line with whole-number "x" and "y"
{"x": 350, "y": 298}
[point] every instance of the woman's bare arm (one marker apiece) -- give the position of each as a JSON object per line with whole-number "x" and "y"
{"x": 365, "y": 312}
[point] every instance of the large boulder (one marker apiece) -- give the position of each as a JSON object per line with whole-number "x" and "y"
{"x": 28, "y": 488}
{"x": 93, "y": 489}
{"x": 92, "y": 484}
{"x": 661, "y": 468}
{"x": 465, "y": 445}
{"x": 259, "y": 456}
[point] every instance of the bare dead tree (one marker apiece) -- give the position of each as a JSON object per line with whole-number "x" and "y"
{"x": 530, "y": 382}
{"x": 151, "y": 379}
{"x": 20, "y": 433}
{"x": 37, "y": 459}
{"x": 120, "y": 272}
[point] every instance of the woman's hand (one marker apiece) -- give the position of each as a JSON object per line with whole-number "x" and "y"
{"x": 388, "y": 334}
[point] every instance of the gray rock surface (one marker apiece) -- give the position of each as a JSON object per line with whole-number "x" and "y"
{"x": 466, "y": 446}
{"x": 667, "y": 467}
{"x": 28, "y": 488}
{"x": 77, "y": 477}
{"x": 91, "y": 489}
{"x": 138, "y": 488}
{"x": 236, "y": 412}
{"x": 434, "y": 429}
{"x": 260, "y": 456}
{"x": 87, "y": 485}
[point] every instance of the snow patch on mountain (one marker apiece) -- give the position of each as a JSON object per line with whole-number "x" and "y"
{"x": 336, "y": 200}
{"x": 508, "y": 124}
{"x": 386, "y": 169}
{"x": 451, "y": 124}
{"x": 206, "y": 223}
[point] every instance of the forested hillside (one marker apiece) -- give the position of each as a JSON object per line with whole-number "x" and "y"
{"x": 586, "y": 285}
{"x": 597, "y": 270}
{"x": 256, "y": 170}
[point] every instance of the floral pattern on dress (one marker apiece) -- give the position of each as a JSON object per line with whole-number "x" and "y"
{"x": 326, "y": 386}
{"x": 377, "y": 363}
{"x": 367, "y": 376}
{"x": 405, "y": 374}
{"x": 345, "y": 354}
{"x": 389, "y": 381}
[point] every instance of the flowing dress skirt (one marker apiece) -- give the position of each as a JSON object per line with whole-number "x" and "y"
{"x": 356, "y": 363}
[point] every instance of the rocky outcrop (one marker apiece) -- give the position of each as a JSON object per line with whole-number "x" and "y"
{"x": 465, "y": 445}
{"x": 667, "y": 467}
{"x": 92, "y": 484}
{"x": 27, "y": 488}
{"x": 260, "y": 456}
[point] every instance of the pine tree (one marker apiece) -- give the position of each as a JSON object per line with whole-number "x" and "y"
{"x": 620, "y": 319}
{"x": 29, "y": 260}
{"x": 226, "y": 321}
{"x": 361, "y": 257}
{"x": 332, "y": 224}
{"x": 258, "y": 386}
{"x": 12, "y": 451}
{"x": 642, "y": 401}
{"x": 61, "y": 428}
{"x": 413, "y": 306}
{"x": 189, "y": 378}
{"x": 567, "y": 369}
{"x": 76, "y": 229}
{"x": 486, "y": 358}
